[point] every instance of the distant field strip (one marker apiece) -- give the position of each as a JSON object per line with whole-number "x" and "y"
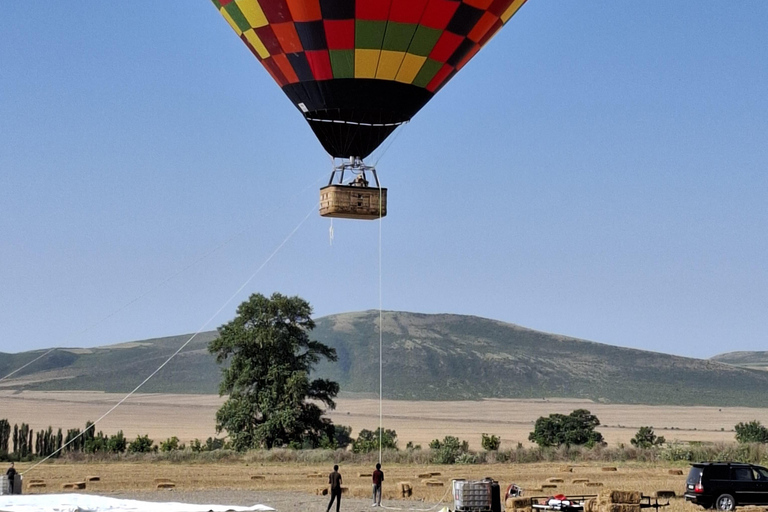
{"x": 193, "y": 416}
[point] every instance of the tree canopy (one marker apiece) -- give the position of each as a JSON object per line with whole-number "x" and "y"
{"x": 272, "y": 401}
{"x": 577, "y": 428}
{"x": 647, "y": 438}
{"x": 752, "y": 432}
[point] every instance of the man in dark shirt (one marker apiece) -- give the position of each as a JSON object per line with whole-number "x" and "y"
{"x": 334, "y": 479}
{"x": 11, "y": 474}
{"x": 378, "y": 477}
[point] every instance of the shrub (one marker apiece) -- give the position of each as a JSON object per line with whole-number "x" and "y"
{"x": 448, "y": 450}
{"x": 117, "y": 443}
{"x": 490, "y": 442}
{"x": 171, "y": 444}
{"x": 368, "y": 441}
{"x": 578, "y": 428}
{"x": 752, "y": 432}
{"x": 646, "y": 438}
{"x": 142, "y": 444}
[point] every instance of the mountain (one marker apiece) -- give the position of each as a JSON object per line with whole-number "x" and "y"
{"x": 426, "y": 357}
{"x": 756, "y": 360}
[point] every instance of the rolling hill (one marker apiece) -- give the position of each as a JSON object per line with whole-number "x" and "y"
{"x": 756, "y": 360}
{"x": 426, "y": 357}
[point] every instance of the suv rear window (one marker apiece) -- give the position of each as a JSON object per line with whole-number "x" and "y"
{"x": 694, "y": 475}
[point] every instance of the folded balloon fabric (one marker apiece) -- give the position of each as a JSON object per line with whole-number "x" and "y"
{"x": 93, "y": 503}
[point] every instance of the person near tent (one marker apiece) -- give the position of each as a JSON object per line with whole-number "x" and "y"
{"x": 11, "y": 474}
{"x": 334, "y": 480}
{"x": 378, "y": 478}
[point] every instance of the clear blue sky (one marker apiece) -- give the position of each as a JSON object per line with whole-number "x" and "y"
{"x": 598, "y": 171}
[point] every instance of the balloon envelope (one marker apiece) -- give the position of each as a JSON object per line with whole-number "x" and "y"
{"x": 357, "y": 69}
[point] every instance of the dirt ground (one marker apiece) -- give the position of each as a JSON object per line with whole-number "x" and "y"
{"x": 192, "y": 416}
{"x": 294, "y": 487}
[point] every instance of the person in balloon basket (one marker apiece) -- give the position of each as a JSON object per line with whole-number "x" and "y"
{"x": 378, "y": 478}
{"x": 11, "y": 474}
{"x": 334, "y": 480}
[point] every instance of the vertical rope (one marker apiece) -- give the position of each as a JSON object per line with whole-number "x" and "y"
{"x": 381, "y": 365}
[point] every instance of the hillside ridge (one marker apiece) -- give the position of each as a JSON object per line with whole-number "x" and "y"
{"x": 426, "y": 357}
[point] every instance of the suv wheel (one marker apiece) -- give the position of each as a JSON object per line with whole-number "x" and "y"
{"x": 725, "y": 502}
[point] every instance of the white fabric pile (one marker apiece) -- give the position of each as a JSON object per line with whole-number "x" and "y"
{"x": 92, "y": 503}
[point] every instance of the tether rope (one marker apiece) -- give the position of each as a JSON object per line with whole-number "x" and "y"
{"x": 381, "y": 364}
{"x": 422, "y": 509}
{"x": 154, "y": 287}
{"x": 29, "y": 363}
{"x": 230, "y": 299}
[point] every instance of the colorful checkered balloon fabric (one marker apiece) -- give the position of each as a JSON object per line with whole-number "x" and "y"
{"x": 415, "y": 43}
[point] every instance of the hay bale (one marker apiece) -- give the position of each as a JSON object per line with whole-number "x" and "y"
{"x": 67, "y": 486}
{"x": 566, "y": 469}
{"x": 73, "y": 485}
{"x": 258, "y": 477}
{"x": 93, "y": 479}
{"x": 665, "y": 494}
{"x": 614, "y": 496}
{"x": 675, "y": 472}
{"x": 433, "y": 483}
{"x": 517, "y": 503}
{"x": 617, "y": 507}
{"x": 435, "y": 473}
{"x": 35, "y": 485}
{"x": 162, "y": 480}
{"x": 549, "y": 486}
{"x": 590, "y": 505}
{"x": 321, "y": 491}
{"x": 35, "y": 481}
{"x": 424, "y": 475}
{"x": 609, "y": 468}
{"x": 593, "y": 484}
{"x": 345, "y": 490}
{"x": 555, "y": 480}
{"x": 166, "y": 485}
{"x": 363, "y": 475}
{"x": 580, "y": 480}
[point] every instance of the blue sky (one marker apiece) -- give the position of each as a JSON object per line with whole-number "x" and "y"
{"x": 598, "y": 171}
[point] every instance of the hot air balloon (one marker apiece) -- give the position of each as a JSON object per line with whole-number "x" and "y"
{"x": 358, "y": 69}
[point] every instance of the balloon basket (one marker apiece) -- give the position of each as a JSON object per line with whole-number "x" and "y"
{"x": 353, "y": 202}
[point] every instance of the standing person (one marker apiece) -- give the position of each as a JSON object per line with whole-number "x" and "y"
{"x": 11, "y": 474}
{"x": 378, "y": 477}
{"x": 334, "y": 479}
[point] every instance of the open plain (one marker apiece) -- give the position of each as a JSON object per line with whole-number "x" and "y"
{"x": 294, "y": 487}
{"x": 193, "y": 416}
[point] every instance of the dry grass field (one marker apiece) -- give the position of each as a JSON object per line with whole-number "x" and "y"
{"x": 137, "y": 477}
{"x": 192, "y": 416}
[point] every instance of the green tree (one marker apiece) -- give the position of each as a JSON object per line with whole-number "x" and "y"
{"x": 752, "y": 432}
{"x": 368, "y": 441}
{"x": 490, "y": 442}
{"x": 117, "y": 443}
{"x": 449, "y": 450}
{"x": 272, "y": 401}
{"x": 647, "y": 438}
{"x": 577, "y": 428}
{"x": 171, "y": 444}
{"x": 142, "y": 444}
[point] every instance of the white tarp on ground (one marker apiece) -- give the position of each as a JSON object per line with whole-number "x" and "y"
{"x": 92, "y": 503}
